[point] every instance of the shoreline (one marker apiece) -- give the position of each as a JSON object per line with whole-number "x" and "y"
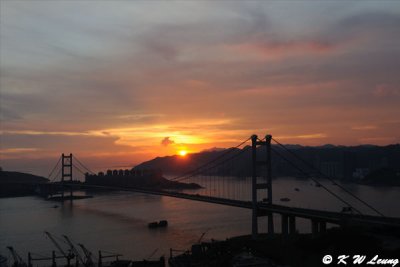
{"x": 294, "y": 250}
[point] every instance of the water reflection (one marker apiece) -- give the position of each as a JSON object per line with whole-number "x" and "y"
{"x": 117, "y": 221}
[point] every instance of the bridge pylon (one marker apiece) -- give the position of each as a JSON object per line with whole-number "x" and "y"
{"x": 66, "y": 172}
{"x": 262, "y": 186}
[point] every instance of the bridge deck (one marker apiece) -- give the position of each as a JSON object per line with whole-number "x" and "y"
{"x": 320, "y": 215}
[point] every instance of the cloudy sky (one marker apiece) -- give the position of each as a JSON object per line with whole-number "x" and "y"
{"x": 119, "y": 82}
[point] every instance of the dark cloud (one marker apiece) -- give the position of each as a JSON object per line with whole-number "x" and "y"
{"x": 166, "y": 141}
{"x": 122, "y": 68}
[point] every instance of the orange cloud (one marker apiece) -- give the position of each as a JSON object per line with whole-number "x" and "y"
{"x": 364, "y": 127}
{"x": 383, "y": 90}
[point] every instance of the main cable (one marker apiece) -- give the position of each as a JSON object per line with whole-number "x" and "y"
{"x": 216, "y": 165}
{"x": 229, "y": 150}
{"x": 327, "y": 177}
{"x": 309, "y": 176}
{"x": 83, "y": 166}
{"x": 54, "y": 168}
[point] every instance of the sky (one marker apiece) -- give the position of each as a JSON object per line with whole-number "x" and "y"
{"x": 120, "y": 82}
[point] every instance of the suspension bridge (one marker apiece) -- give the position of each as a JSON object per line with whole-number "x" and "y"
{"x": 249, "y": 164}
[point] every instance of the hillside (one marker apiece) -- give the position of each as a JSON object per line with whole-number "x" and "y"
{"x": 20, "y": 177}
{"x": 18, "y": 183}
{"x": 338, "y": 162}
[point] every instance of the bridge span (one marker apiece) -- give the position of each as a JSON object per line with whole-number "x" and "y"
{"x": 259, "y": 152}
{"x": 318, "y": 218}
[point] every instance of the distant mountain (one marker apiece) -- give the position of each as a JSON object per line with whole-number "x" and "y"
{"x": 213, "y": 149}
{"x": 339, "y": 162}
{"x": 177, "y": 165}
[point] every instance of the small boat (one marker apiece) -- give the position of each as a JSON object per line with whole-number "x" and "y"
{"x": 285, "y": 199}
{"x": 153, "y": 225}
{"x": 162, "y": 223}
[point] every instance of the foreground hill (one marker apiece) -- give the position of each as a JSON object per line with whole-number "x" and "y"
{"x": 20, "y": 177}
{"x": 18, "y": 183}
{"x": 358, "y": 163}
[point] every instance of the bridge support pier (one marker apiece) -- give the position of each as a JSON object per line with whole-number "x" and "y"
{"x": 288, "y": 225}
{"x": 292, "y": 225}
{"x": 317, "y": 227}
{"x": 254, "y": 220}
{"x": 261, "y": 186}
{"x": 285, "y": 224}
{"x": 270, "y": 223}
{"x": 322, "y": 227}
{"x": 314, "y": 228}
{"x": 66, "y": 172}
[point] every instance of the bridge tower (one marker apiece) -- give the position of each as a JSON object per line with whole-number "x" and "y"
{"x": 66, "y": 172}
{"x": 265, "y": 186}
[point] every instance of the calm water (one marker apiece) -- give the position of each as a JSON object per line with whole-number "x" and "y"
{"x": 118, "y": 221}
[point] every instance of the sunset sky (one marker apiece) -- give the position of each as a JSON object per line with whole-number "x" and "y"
{"x": 120, "y": 82}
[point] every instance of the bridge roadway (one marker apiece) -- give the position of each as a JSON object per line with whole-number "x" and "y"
{"x": 338, "y": 218}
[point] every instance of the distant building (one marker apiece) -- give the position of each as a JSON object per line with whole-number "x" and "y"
{"x": 360, "y": 173}
{"x": 349, "y": 162}
{"x": 332, "y": 169}
{"x": 123, "y": 177}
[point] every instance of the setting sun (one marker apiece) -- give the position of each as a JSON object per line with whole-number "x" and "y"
{"x": 182, "y": 153}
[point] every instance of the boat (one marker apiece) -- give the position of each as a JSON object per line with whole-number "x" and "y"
{"x": 153, "y": 225}
{"x": 162, "y": 223}
{"x": 285, "y": 199}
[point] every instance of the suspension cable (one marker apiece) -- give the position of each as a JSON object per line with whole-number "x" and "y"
{"x": 309, "y": 176}
{"x": 82, "y": 165}
{"x": 78, "y": 169}
{"x": 229, "y": 150}
{"x": 55, "y": 177}
{"x": 215, "y": 165}
{"x": 327, "y": 177}
{"x": 54, "y": 168}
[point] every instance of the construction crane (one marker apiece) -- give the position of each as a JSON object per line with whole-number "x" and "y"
{"x": 152, "y": 254}
{"x": 202, "y": 235}
{"x": 111, "y": 255}
{"x": 88, "y": 254}
{"x": 18, "y": 262}
{"x": 74, "y": 251}
{"x": 68, "y": 255}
